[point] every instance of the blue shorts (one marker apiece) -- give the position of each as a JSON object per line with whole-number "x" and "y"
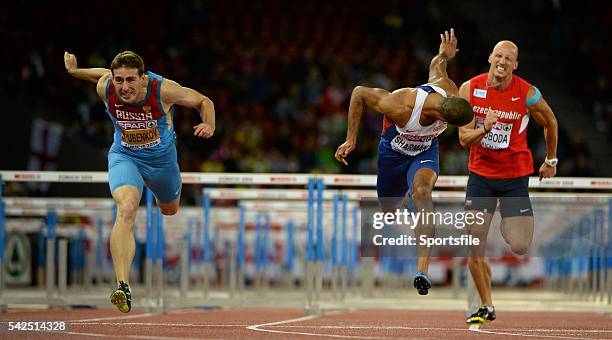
{"x": 161, "y": 175}
{"x": 396, "y": 171}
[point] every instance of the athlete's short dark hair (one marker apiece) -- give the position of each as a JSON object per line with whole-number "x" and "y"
{"x": 128, "y": 59}
{"x": 456, "y": 111}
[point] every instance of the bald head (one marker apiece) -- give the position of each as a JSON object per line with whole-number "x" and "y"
{"x": 507, "y": 45}
{"x": 503, "y": 60}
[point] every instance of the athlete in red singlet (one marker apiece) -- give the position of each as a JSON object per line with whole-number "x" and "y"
{"x": 503, "y": 152}
{"x": 500, "y": 161}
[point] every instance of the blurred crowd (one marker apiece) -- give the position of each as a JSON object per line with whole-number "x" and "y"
{"x": 579, "y": 58}
{"x": 280, "y": 73}
{"x": 575, "y": 32}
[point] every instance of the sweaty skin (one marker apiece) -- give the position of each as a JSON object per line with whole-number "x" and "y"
{"x": 397, "y": 106}
{"x": 517, "y": 231}
{"x": 131, "y": 87}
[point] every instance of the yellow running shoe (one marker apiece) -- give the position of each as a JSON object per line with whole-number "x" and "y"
{"x": 122, "y": 297}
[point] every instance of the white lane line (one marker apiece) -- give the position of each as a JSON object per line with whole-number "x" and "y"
{"x": 529, "y": 335}
{"x": 160, "y": 324}
{"x": 105, "y": 335}
{"x": 560, "y": 330}
{"x": 474, "y": 327}
{"x": 303, "y": 318}
{"x": 91, "y": 334}
{"x": 119, "y": 317}
{"x": 551, "y": 330}
{"x": 151, "y": 337}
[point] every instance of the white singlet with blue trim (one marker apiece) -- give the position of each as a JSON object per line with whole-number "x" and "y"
{"x": 413, "y": 138}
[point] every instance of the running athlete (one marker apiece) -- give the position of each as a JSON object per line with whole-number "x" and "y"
{"x": 500, "y": 161}
{"x": 408, "y": 149}
{"x": 140, "y": 105}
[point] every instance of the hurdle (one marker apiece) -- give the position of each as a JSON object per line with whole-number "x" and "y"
{"x": 344, "y": 269}
{"x": 268, "y": 194}
{"x": 608, "y": 265}
{"x": 2, "y": 231}
{"x": 334, "y": 250}
{"x": 314, "y": 263}
{"x": 53, "y": 250}
{"x": 601, "y": 252}
{"x": 206, "y": 245}
{"x": 576, "y": 261}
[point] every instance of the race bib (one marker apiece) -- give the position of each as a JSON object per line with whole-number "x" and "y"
{"x": 411, "y": 145}
{"x": 139, "y": 135}
{"x": 499, "y": 136}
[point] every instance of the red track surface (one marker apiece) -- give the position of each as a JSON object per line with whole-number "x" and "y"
{"x": 247, "y": 323}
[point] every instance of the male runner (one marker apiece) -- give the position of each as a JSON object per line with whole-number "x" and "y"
{"x": 140, "y": 105}
{"x": 408, "y": 150}
{"x": 500, "y": 161}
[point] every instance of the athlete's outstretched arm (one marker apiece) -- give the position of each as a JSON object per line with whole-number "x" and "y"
{"x": 89, "y": 74}
{"x": 446, "y": 52}
{"x": 173, "y": 93}
{"x": 543, "y": 114}
{"x": 379, "y": 100}
{"x": 469, "y": 134}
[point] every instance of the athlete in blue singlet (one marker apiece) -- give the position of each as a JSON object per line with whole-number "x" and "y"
{"x": 408, "y": 148}
{"x": 143, "y": 152}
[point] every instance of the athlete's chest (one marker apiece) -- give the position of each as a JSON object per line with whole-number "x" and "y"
{"x": 509, "y": 105}
{"x": 124, "y": 112}
{"x": 146, "y": 109}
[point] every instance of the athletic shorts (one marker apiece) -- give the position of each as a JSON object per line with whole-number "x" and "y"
{"x": 396, "y": 171}
{"x": 513, "y": 194}
{"x": 161, "y": 175}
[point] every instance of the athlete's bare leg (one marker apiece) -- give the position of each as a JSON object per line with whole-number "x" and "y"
{"x": 422, "y": 187}
{"x": 518, "y": 233}
{"x": 477, "y": 263}
{"x": 122, "y": 243}
{"x": 169, "y": 209}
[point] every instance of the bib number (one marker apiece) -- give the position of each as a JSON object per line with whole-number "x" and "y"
{"x": 411, "y": 145}
{"x": 137, "y": 139}
{"x": 498, "y": 138}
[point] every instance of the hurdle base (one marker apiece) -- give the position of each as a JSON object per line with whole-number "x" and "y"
{"x": 160, "y": 308}
{"x": 149, "y": 305}
{"x": 313, "y": 310}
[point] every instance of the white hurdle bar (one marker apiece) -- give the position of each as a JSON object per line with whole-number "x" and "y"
{"x": 595, "y": 183}
{"x": 562, "y": 183}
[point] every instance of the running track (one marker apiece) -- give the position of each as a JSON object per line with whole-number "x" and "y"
{"x": 291, "y": 323}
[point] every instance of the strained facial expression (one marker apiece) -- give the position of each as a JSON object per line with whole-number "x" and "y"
{"x": 503, "y": 60}
{"x": 129, "y": 85}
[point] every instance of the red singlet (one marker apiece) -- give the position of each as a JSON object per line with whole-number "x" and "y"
{"x": 503, "y": 152}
